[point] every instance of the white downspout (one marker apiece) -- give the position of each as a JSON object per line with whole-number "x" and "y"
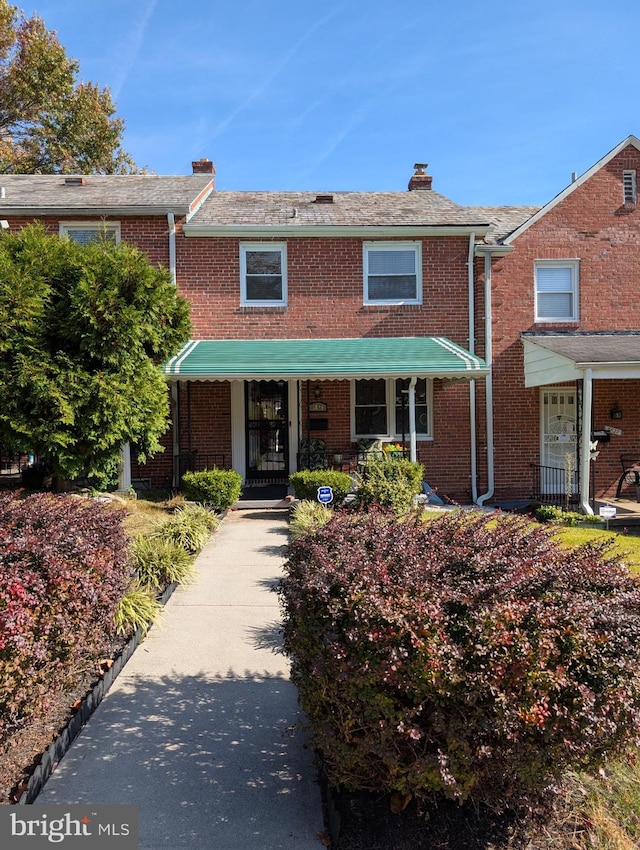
{"x": 413, "y": 445}
{"x": 472, "y": 383}
{"x": 585, "y": 448}
{"x": 171, "y": 220}
{"x": 488, "y": 356}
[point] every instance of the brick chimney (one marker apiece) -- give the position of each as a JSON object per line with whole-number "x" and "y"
{"x": 203, "y": 166}
{"x": 420, "y": 179}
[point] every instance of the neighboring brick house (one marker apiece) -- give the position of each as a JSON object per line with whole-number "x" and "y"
{"x": 565, "y": 307}
{"x": 477, "y": 336}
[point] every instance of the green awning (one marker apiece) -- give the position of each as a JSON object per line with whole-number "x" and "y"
{"x": 323, "y": 359}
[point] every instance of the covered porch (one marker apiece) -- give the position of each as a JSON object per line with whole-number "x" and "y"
{"x": 604, "y": 366}
{"x": 288, "y": 399}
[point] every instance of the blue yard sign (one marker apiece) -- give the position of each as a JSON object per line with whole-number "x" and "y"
{"x": 325, "y": 495}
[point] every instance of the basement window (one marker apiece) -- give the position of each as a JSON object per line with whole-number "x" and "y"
{"x": 629, "y": 186}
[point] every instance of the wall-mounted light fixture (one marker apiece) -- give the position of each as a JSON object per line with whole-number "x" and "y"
{"x": 317, "y": 391}
{"x": 615, "y": 412}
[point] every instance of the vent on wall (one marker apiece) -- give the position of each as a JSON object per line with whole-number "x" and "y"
{"x": 629, "y": 186}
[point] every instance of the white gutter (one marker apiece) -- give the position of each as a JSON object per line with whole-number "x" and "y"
{"x": 412, "y": 420}
{"x": 171, "y": 220}
{"x": 585, "y": 448}
{"x": 488, "y": 356}
{"x": 472, "y": 383}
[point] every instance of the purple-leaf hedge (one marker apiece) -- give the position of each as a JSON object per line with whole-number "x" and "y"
{"x": 64, "y": 564}
{"x": 469, "y": 655}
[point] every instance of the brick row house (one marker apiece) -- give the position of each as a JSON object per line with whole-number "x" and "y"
{"x": 496, "y": 344}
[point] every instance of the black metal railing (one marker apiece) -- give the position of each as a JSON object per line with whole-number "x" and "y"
{"x": 549, "y": 486}
{"x": 196, "y": 462}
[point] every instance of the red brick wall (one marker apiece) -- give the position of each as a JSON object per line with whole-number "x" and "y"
{"x": 325, "y": 292}
{"x": 590, "y": 224}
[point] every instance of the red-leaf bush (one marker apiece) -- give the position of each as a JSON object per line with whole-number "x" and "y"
{"x": 64, "y": 563}
{"x": 469, "y": 656}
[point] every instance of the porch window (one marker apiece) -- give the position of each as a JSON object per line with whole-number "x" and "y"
{"x": 381, "y": 406}
{"x": 392, "y": 273}
{"x": 556, "y": 295}
{"x": 90, "y": 231}
{"x": 263, "y": 274}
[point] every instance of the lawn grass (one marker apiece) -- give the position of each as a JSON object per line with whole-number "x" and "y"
{"x": 145, "y": 512}
{"x": 627, "y": 545}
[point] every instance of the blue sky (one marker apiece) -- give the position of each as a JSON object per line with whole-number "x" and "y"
{"x": 504, "y": 99}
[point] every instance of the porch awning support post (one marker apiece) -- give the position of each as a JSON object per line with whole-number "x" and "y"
{"x": 413, "y": 450}
{"x": 585, "y": 447}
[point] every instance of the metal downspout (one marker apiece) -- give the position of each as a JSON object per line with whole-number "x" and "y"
{"x": 472, "y": 383}
{"x": 585, "y": 448}
{"x": 488, "y": 356}
{"x": 171, "y": 221}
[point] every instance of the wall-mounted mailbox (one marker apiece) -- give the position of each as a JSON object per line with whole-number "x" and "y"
{"x": 600, "y": 436}
{"x": 318, "y": 424}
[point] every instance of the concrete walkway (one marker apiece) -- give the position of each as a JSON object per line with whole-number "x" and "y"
{"x": 200, "y": 728}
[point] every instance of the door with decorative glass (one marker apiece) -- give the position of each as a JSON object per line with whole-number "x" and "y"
{"x": 559, "y": 412}
{"x": 267, "y": 428}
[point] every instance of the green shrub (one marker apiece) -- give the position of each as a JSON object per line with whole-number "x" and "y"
{"x": 469, "y": 656}
{"x": 218, "y": 488}
{"x": 159, "y": 562}
{"x": 307, "y": 516}
{"x": 64, "y": 564}
{"x": 189, "y": 527}
{"x": 306, "y": 483}
{"x": 390, "y": 483}
{"x": 554, "y": 514}
{"x": 137, "y": 609}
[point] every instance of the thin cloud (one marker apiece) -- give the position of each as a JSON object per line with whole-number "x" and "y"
{"x": 267, "y": 81}
{"x": 132, "y": 48}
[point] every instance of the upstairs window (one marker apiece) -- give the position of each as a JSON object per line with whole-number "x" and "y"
{"x": 556, "y": 295}
{"x": 629, "y": 186}
{"x": 263, "y": 269}
{"x": 84, "y": 232}
{"x": 392, "y": 273}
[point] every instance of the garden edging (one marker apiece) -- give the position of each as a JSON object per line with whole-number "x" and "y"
{"x": 92, "y": 699}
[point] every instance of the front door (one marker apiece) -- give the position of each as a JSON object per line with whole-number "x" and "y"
{"x": 559, "y": 439}
{"x": 267, "y": 429}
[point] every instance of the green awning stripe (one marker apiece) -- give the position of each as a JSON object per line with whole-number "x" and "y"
{"x": 372, "y": 357}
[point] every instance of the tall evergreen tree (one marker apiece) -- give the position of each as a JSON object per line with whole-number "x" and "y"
{"x": 83, "y": 331}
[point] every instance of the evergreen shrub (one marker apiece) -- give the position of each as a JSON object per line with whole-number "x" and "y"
{"x": 217, "y": 488}
{"x": 469, "y": 656}
{"x": 306, "y": 482}
{"x": 390, "y": 482}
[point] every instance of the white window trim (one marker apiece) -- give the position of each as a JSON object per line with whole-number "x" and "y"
{"x": 263, "y": 246}
{"x": 574, "y": 265}
{"x": 65, "y": 226}
{"x": 390, "y": 397}
{"x": 391, "y": 246}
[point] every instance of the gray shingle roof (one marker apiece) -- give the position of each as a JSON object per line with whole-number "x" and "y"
{"x": 594, "y": 347}
{"x": 351, "y": 209}
{"x": 504, "y": 220}
{"x": 119, "y": 193}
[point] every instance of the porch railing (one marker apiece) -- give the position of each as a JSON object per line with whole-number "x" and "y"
{"x": 549, "y": 485}
{"x": 197, "y": 462}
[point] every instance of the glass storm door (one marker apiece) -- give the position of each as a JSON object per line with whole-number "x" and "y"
{"x": 267, "y": 424}
{"x": 559, "y": 437}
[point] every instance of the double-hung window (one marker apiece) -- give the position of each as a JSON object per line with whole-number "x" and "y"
{"x": 263, "y": 274}
{"x": 90, "y": 231}
{"x": 381, "y": 408}
{"x": 392, "y": 273}
{"x": 556, "y": 290}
